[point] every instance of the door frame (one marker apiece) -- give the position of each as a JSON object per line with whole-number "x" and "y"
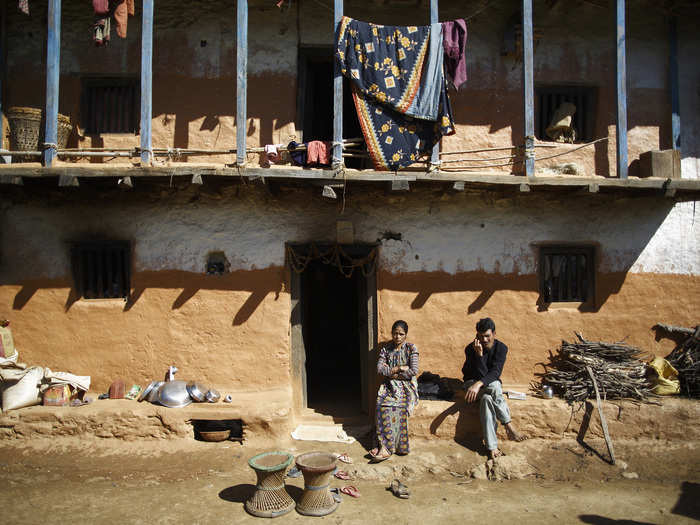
{"x": 367, "y": 319}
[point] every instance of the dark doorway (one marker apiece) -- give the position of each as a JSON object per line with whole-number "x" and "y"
{"x": 332, "y": 339}
{"x": 333, "y": 327}
{"x": 315, "y": 101}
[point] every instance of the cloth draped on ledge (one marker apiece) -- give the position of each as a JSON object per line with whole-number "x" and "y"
{"x": 398, "y": 86}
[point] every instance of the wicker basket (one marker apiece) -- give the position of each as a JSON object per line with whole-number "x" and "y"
{"x": 27, "y": 130}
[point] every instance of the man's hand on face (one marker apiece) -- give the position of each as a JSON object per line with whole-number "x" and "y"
{"x": 478, "y": 348}
{"x": 472, "y": 392}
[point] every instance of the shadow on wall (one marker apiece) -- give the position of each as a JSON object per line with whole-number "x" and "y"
{"x": 258, "y": 282}
{"x": 619, "y": 245}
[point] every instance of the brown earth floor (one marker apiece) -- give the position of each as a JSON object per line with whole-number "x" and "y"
{"x": 90, "y": 480}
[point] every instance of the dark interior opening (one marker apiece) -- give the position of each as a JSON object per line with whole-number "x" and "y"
{"x": 315, "y": 101}
{"x": 232, "y": 429}
{"x": 331, "y": 331}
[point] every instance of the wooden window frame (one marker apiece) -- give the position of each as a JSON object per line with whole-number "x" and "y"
{"x": 94, "y": 262}
{"x": 584, "y": 295}
{"x": 126, "y": 122}
{"x": 584, "y": 120}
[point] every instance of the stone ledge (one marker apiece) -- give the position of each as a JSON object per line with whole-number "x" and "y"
{"x": 265, "y": 414}
{"x": 673, "y": 418}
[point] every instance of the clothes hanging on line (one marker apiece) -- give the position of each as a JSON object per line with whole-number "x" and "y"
{"x": 398, "y": 87}
{"x": 104, "y": 10}
{"x": 455, "y": 45}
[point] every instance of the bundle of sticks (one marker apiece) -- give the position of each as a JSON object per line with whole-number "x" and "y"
{"x": 617, "y": 368}
{"x": 686, "y": 358}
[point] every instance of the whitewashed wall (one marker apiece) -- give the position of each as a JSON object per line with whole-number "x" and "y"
{"x": 439, "y": 232}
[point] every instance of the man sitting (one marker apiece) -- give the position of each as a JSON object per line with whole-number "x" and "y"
{"x": 485, "y": 357}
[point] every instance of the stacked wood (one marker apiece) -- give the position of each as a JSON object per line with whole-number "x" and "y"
{"x": 617, "y": 367}
{"x": 686, "y": 358}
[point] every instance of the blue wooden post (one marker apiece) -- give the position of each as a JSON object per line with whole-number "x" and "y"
{"x": 528, "y": 89}
{"x": 337, "y": 96}
{"x": 53, "y": 69}
{"x": 146, "y": 82}
{"x": 673, "y": 83}
{"x": 434, "y": 19}
{"x": 621, "y": 71}
{"x": 3, "y": 62}
{"x": 241, "y": 81}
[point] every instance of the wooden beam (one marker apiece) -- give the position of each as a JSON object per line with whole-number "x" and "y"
{"x": 621, "y": 82}
{"x": 53, "y": 70}
{"x": 3, "y": 72}
{"x": 337, "y": 95}
{"x": 528, "y": 89}
{"x": 674, "y": 86}
{"x": 146, "y": 82}
{"x": 241, "y": 81}
{"x": 434, "y": 19}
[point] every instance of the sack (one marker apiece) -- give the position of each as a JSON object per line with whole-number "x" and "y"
{"x": 666, "y": 382}
{"x": 25, "y": 392}
{"x": 7, "y": 345}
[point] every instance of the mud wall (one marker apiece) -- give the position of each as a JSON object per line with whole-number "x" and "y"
{"x": 446, "y": 260}
{"x": 194, "y": 88}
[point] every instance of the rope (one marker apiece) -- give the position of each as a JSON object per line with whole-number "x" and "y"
{"x": 335, "y": 256}
{"x": 572, "y": 150}
{"x": 50, "y": 145}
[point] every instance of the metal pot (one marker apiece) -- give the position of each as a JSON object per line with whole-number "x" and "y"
{"x": 174, "y": 394}
{"x": 197, "y": 391}
{"x": 547, "y": 392}
{"x": 213, "y": 395}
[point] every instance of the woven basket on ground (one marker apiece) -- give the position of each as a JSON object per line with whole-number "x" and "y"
{"x": 317, "y": 499}
{"x": 27, "y": 129}
{"x": 270, "y": 498}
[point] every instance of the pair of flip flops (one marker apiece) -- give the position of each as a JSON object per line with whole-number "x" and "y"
{"x": 348, "y": 490}
{"x": 399, "y": 490}
{"x": 341, "y": 474}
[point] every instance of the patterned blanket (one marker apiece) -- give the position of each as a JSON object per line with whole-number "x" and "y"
{"x": 398, "y": 87}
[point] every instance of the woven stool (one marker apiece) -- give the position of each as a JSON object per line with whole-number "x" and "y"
{"x": 270, "y": 499}
{"x": 317, "y": 499}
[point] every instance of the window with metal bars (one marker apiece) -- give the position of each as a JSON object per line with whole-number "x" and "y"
{"x": 549, "y": 98}
{"x": 567, "y": 273}
{"x": 110, "y": 105}
{"x": 102, "y": 269}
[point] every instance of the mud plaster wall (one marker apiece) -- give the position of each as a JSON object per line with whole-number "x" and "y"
{"x": 460, "y": 257}
{"x": 194, "y": 85}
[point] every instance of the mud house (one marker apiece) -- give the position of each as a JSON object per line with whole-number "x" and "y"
{"x": 157, "y": 235}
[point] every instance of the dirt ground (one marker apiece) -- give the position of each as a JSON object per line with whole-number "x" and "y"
{"x": 187, "y": 481}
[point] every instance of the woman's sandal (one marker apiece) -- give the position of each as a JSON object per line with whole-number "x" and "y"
{"x": 399, "y": 490}
{"x": 378, "y": 458}
{"x": 341, "y": 474}
{"x": 343, "y": 457}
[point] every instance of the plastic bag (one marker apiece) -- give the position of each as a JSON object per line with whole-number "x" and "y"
{"x": 666, "y": 382}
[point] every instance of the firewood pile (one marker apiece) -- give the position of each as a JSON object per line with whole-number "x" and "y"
{"x": 686, "y": 358}
{"x": 617, "y": 367}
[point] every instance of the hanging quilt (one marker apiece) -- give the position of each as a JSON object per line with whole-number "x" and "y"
{"x": 398, "y": 87}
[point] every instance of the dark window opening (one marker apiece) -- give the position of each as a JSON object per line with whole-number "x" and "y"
{"x": 315, "y": 102}
{"x": 566, "y": 273}
{"x": 110, "y": 105}
{"x": 102, "y": 269}
{"x": 548, "y": 99}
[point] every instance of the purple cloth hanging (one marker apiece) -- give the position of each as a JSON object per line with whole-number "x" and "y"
{"x": 454, "y": 43}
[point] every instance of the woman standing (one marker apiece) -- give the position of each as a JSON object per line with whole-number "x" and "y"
{"x": 398, "y": 394}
